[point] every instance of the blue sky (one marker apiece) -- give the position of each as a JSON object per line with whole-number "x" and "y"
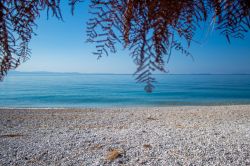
{"x": 60, "y": 47}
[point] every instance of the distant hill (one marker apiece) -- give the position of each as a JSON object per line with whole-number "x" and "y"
{"x": 77, "y": 73}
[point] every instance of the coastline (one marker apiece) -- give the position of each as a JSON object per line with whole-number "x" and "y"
{"x": 171, "y": 135}
{"x": 140, "y": 106}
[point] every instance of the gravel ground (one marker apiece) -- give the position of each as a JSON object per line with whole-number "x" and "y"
{"x": 195, "y": 135}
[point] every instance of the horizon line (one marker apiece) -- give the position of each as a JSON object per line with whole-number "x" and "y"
{"x": 51, "y": 72}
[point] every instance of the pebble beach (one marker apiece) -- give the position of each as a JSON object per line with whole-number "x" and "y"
{"x": 181, "y": 135}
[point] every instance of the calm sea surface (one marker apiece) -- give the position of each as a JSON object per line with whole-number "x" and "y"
{"x": 79, "y": 90}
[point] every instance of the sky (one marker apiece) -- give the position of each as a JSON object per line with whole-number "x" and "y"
{"x": 60, "y": 46}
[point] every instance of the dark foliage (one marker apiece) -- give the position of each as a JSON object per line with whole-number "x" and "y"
{"x": 17, "y": 22}
{"x": 150, "y": 29}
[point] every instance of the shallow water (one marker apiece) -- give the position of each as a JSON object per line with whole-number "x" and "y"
{"x": 81, "y": 90}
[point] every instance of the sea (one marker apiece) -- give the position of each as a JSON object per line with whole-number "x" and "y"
{"x": 74, "y": 90}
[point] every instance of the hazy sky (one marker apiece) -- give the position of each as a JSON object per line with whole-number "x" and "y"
{"x": 61, "y": 47}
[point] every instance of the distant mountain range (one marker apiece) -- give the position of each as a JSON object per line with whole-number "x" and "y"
{"x": 77, "y": 73}
{"x": 41, "y": 72}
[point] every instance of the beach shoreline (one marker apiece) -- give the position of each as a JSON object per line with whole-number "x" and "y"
{"x": 172, "y": 135}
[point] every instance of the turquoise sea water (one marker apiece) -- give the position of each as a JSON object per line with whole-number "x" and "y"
{"x": 80, "y": 90}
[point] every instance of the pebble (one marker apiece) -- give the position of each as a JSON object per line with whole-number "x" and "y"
{"x": 186, "y": 135}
